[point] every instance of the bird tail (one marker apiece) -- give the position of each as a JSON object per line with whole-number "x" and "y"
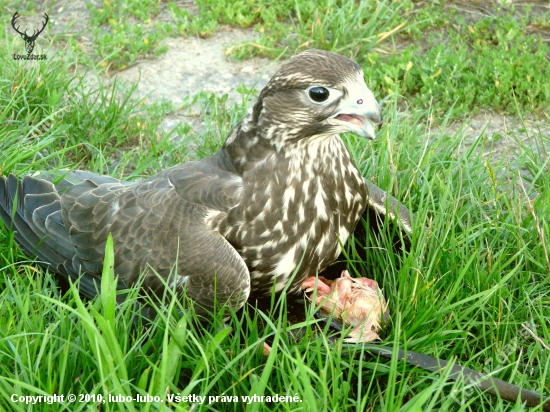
{"x": 31, "y": 208}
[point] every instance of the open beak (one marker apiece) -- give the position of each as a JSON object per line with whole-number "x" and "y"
{"x": 360, "y": 113}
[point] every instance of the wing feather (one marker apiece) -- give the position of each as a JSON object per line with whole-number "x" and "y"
{"x": 383, "y": 203}
{"x": 157, "y": 223}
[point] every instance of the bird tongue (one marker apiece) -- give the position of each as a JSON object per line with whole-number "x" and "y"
{"x": 351, "y": 118}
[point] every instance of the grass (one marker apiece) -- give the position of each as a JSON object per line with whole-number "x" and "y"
{"x": 476, "y": 276}
{"x": 431, "y": 54}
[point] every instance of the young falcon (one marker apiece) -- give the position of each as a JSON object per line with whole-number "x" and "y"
{"x": 278, "y": 197}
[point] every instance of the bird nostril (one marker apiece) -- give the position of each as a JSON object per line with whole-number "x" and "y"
{"x": 360, "y": 101}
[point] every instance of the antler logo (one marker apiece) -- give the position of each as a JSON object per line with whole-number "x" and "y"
{"x": 29, "y": 40}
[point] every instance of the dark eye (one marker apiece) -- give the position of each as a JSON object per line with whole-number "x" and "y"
{"x": 318, "y": 94}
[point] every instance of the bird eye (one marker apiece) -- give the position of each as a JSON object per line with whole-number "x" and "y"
{"x": 318, "y": 94}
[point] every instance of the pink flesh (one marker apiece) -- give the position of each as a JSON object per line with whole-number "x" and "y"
{"x": 343, "y": 287}
{"x": 345, "y": 275}
{"x": 351, "y": 118}
{"x": 322, "y": 287}
{"x": 352, "y": 300}
{"x": 368, "y": 283}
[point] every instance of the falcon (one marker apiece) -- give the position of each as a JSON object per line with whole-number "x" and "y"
{"x": 269, "y": 209}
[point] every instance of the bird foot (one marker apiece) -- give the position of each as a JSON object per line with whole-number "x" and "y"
{"x": 358, "y": 302}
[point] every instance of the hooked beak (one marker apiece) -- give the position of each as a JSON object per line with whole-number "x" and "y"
{"x": 359, "y": 113}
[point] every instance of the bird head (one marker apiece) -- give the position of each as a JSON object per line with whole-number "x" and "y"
{"x": 317, "y": 93}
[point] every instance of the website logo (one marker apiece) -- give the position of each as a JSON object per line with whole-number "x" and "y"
{"x": 29, "y": 40}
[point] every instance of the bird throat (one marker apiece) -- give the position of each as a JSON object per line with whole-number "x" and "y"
{"x": 297, "y": 208}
